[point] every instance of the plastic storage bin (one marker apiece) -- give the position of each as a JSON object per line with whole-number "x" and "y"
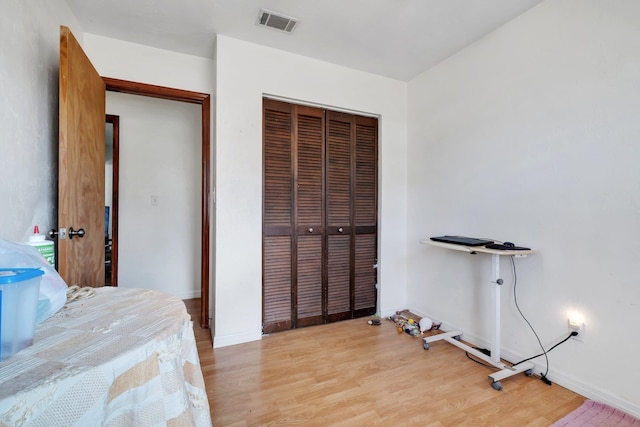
{"x": 19, "y": 290}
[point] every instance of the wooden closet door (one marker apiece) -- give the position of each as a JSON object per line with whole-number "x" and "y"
{"x": 319, "y": 216}
{"x": 365, "y": 216}
{"x": 309, "y": 213}
{"x": 293, "y": 212}
{"x": 340, "y": 134}
{"x": 277, "y": 216}
{"x": 351, "y": 215}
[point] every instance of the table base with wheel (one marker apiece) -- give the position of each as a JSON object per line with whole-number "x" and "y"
{"x": 453, "y": 337}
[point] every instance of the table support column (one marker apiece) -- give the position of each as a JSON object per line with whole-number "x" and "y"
{"x": 496, "y": 283}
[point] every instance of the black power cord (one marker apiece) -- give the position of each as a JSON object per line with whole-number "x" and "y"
{"x": 481, "y": 350}
{"x": 543, "y": 377}
{"x": 572, "y": 334}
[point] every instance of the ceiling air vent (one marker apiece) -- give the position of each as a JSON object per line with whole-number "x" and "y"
{"x": 277, "y": 22}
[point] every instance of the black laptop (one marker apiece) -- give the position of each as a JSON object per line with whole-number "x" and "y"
{"x": 461, "y": 240}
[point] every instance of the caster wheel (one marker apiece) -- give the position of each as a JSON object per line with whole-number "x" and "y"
{"x": 457, "y": 337}
{"x": 496, "y": 385}
{"x": 425, "y": 345}
{"x": 528, "y": 372}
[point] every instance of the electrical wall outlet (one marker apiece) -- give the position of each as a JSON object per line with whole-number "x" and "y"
{"x": 578, "y": 327}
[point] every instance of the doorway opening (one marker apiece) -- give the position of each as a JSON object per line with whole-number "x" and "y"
{"x": 204, "y": 100}
{"x": 112, "y": 167}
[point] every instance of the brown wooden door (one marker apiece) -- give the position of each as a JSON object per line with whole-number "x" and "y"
{"x": 81, "y": 156}
{"x": 339, "y": 214}
{"x": 277, "y": 217}
{"x": 293, "y": 216}
{"x": 351, "y": 215}
{"x": 308, "y": 190}
{"x": 365, "y": 217}
{"x": 319, "y": 216}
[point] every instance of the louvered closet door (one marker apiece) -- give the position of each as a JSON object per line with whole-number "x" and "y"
{"x": 339, "y": 214}
{"x": 309, "y": 175}
{"x": 293, "y": 212}
{"x": 351, "y": 215}
{"x": 365, "y": 216}
{"x": 277, "y": 239}
{"x": 319, "y": 216}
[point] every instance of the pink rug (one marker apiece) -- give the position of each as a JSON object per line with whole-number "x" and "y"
{"x": 592, "y": 413}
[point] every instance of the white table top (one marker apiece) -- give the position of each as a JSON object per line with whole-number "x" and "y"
{"x": 478, "y": 249}
{"x": 123, "y": 357}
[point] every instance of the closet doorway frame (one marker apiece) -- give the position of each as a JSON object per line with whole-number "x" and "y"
{"x": 293, "y": 322}
{"x": 204, "y": 100}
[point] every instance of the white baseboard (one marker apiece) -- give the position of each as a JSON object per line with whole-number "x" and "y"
{"x": 559, "y": 378}
{"x": 227, "y": 340}
{"x": 391, "y": 311}
{"x": 189, "y": 295}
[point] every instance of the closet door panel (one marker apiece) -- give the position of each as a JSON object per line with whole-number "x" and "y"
{"x": 309, "y": 211}
{"x": 365, "y": 216}
{"x": 276, "y": 284}
{"x": 365, "y": 275}
{"x": 278, "y": 176}
{"x": 339, "y": 215}
{"x": 277, "y": 229}
{"x": 309, "y": 290}
{"x": 338, "y": 170}
{"x": 366, "y": 177}
{"x": 339, "y": 283}
{"x": 310, "y": 161}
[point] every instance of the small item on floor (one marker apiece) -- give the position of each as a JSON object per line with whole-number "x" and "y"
{"x": 412, "y": 330}
{"x": 412, "y": 324}
{"x": 427, "y": 324}
{"x": 374, "y": 322}
{"x": 406, "y": 322}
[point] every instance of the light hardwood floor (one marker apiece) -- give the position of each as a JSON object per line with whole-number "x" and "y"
{"x": 354, "y": 374}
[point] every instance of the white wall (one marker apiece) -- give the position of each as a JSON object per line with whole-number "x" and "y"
{"x": 135, "y": 62}
{"x": 532, "y": 135}
{"x": 159, "y": 194}
{"x": 29, "y": 62}
{"x": 245, "y": 72}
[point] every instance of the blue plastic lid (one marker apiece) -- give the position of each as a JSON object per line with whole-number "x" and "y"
{"x": 16, "y": 275}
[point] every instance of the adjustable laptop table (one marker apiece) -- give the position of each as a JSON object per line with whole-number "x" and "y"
{"x": 453, "y": 337}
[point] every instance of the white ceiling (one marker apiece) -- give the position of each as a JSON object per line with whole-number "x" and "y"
{"x": 394, "y": 38}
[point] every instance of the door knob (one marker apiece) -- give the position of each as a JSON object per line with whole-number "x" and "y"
{"x": 53, "y": 233}
{"x": 311, "y": 230}
{"x": 79, "y": 233}
{"x": 340, "y": 230}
